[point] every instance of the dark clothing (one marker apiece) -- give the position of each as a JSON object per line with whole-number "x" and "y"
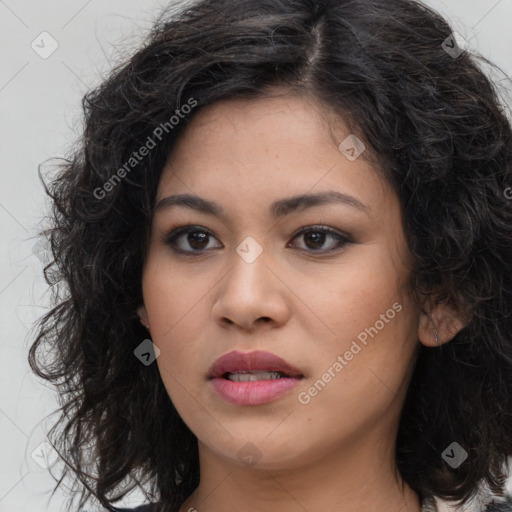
{"x": 142, "y": 508}
{"x": 495, "y": 506}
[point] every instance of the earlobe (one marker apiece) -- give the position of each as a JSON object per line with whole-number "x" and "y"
{"x": 143, "y": 315}
{"x": 440, "y": 324}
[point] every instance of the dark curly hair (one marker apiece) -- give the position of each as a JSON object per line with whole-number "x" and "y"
{"x": 435, "y": 126}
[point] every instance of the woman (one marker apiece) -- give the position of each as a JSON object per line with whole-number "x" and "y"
{"x": 285, "y": 253}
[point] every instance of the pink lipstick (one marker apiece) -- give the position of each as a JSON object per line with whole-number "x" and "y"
{"x": 252, "y": 378}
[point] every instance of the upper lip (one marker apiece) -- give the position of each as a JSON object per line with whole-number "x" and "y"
{"x": 258, "y": 360}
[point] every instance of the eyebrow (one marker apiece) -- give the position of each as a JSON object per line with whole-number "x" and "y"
{"x": 278, "y": 209}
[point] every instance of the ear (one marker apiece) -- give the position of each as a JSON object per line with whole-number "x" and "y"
{"x": 440, "y": 318}
{"x": 143, "y": 315}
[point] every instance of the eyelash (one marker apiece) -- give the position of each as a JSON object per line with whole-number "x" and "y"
{"x": 171, "y": 238}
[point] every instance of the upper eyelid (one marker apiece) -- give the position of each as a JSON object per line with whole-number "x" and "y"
{"x": 326, "y": 230}
{"x": 321, "y": 227}
{"x": 183, "y": 230}
{"x": 191, "y": 227}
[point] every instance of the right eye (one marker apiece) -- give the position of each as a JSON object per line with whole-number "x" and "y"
{"x": 189, "y": 240}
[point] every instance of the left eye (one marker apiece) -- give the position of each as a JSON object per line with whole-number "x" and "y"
{"x": 315, "y": 238}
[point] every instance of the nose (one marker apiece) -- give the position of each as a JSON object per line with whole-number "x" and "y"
{"x": 251, "y": 296}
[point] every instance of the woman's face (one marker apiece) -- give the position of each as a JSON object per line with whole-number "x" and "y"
{"x": 333, "y": 305}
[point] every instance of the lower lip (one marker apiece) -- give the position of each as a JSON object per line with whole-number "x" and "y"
{"x": 253, "y": 392}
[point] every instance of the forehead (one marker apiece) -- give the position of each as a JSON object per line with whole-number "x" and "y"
{"x": 276, "y": 121}
{"x": 267, "y": 148}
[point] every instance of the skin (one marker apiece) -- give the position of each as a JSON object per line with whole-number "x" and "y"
{"x": 307, "y": 306}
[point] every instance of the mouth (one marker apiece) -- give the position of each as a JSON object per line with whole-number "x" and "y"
{"x": 252, "y": 378}
{"x": 250, "y": 366}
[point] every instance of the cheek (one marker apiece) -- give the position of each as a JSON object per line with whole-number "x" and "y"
{"x": 373, "y": 326}
{"x": 177, "y": 306}
{"x": 172, "y": 294}
{"x": 353, "y": 295}
{"x": 362, "y": 370}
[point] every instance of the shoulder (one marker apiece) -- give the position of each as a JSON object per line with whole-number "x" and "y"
{"x": 150, "y": 507}
{"x": 500, "y": 506}
{"x": 141, "y": 508}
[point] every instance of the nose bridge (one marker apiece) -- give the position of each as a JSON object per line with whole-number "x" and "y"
{"x": 249, "y": 290}
{"x": 248, "y": 278}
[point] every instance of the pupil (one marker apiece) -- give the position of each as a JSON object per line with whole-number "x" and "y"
{"x": 317, "y": 238}
{"x": 197, "y": 239}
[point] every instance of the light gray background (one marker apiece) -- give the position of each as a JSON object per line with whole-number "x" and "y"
{"x": 40, "y": 118}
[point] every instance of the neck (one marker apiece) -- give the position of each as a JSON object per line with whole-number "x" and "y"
{"x": 355, "y": 477}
